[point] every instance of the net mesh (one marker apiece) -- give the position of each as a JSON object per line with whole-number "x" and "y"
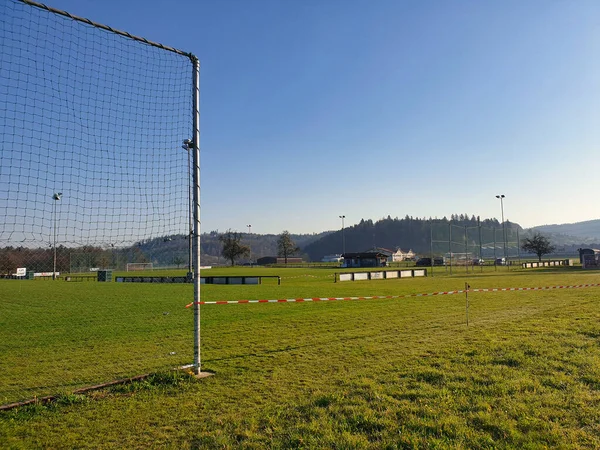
{"x": 92, "y": 175}
{"x": 97, "y": 117}
{"x": 474, "y": 244}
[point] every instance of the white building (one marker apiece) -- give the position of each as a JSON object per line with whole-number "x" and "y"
{"x": 400, "y": 255}
{"x": 395, "y": 256}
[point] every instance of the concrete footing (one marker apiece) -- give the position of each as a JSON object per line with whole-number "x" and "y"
{"x": 203, "y": 375}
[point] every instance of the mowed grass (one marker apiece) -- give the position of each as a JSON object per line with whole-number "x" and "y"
{"x": 391, "y": 373}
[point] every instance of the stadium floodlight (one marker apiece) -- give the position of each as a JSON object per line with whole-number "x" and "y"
{"x": 56, "y": 197}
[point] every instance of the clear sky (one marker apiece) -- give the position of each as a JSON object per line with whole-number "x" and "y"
{"x": 314, "y": 109}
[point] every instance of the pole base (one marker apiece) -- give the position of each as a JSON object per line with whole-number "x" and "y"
{"x": 203, "y": 375}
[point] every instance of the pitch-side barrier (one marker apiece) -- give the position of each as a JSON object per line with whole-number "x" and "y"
{"x": 376, "y": 297}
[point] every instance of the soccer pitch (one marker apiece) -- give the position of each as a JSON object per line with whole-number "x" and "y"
{"x": 386, "y": 373}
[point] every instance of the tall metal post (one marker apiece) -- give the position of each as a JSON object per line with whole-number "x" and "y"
{"x": 467, "y": 301}
{"x": 56, "y": 197}
{"x": 495, "y": 258}
{"x": 249, "y": 246}
{"x": 54, "y": 244}
{"x": 431, "y": 245}
{"x": 466, "y": 250}
{"x": 450, "y": 245}
{"x": 191, "y": 215}
{"x": 501, "y": 197}
{"x": 196, "y": 211}
{"x": 343, "y": 237}
{"x": 480, "y": 252}
{"x": 518, "y": 247}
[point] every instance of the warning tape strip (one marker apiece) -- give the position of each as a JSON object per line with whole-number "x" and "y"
{"x": 376, "y": 297}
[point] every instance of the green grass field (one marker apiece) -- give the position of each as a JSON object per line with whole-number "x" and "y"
{"x": 391, "y": 373}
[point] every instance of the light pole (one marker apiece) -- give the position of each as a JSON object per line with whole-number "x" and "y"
{"x": 56, "y": 197}
{"x": 343, "y": 237}
{"x": 249, "y": 246}
{"x": 501, "y": 197}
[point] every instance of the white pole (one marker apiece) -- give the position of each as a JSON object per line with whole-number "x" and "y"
{"x": 54, "y": 244}
{"x": 196, "y": 213}
{"x": 501, "y": 197}
{"x": 56, "y": 196}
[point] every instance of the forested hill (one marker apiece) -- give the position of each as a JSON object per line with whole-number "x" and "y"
{"x": 588, "y": 231}
{"x": 408, "y": 233}
{"x": 260, "y": 244}
{"x": 174, "y": 249}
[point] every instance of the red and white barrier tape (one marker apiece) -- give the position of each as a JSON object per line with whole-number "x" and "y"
{"x": 375, "y": 297}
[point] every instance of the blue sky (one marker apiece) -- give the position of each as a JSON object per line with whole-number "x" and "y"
{"x": 314, "y": 109}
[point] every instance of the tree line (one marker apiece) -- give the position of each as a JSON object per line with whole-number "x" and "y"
{"x": 407, "y": 233}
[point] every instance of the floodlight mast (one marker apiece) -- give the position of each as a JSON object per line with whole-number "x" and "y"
{"x": 343, "y": 237}
{"x": 249, "y": 233}
{"x": 501, "y": 197}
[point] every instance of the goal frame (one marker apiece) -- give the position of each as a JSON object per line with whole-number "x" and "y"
{"x": 136, "y": 267}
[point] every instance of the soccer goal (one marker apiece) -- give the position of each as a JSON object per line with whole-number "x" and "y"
{"x": 99, "y": 160}
{"x": 134, "y": 267}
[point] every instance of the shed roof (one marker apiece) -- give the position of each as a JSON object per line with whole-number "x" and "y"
{"x": 360, "y": 255}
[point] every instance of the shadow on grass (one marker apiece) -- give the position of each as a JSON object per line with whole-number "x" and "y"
{"x": 159, "y": 381}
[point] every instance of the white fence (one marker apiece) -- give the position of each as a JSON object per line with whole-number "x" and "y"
{"x": 381, "y": 275}
{"x": 560, "y": 262}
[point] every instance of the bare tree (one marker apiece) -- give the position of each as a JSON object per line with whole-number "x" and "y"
{"x": 178, "y": 260}
{"x": 538, "y": 244}
{"x": 286, "y": 246}
{"x": 232, "y": 248}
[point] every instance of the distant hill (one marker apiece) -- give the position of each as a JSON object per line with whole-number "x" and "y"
{"x": 585, "y": 232}
{"x": 173, "y": 250}
{"x": 407, "y": 233}
{"x": 260, "y": 244}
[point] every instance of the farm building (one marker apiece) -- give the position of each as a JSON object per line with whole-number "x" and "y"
{"x": 587, "y": 251}
{"x": 365, "y": 259}
{"x": 394, "y": 255}
{"x": 589, "y": 258}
